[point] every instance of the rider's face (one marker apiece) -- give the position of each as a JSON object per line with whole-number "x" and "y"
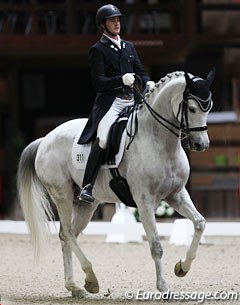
{"x": 113, "y": 25}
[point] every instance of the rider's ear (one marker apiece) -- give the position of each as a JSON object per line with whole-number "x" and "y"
{"x": 211, "y": 76}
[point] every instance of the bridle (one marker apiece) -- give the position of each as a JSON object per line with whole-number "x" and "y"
{"x": 182, "y": 130}
{"x": 204, "y": 104}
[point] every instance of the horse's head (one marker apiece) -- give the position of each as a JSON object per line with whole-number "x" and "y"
{"x": 197, "y": 102}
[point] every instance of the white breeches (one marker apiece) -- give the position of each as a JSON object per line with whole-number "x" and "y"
{"x": 109, "y": 118}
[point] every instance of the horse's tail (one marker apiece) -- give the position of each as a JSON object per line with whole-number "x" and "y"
{"x": 33, "y": 198}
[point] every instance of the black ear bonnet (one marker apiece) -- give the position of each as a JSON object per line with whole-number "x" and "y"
{"x": 198, "y": 89}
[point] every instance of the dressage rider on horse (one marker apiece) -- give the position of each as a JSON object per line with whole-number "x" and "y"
{"x": 113, "y": 64}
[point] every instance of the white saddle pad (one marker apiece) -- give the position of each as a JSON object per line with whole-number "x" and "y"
{"x": 81, "y": 152}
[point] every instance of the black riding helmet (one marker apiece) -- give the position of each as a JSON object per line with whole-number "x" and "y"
{"x": 105, "y": 12}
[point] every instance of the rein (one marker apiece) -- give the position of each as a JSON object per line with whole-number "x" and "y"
{"x": 183, "y": 109}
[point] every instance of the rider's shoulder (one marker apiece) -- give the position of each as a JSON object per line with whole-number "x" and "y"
{"x": 127, "y": 42}
{"x": 96, "y": 45}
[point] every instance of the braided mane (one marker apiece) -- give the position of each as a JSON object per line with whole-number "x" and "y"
{"x": 162, "y": 82}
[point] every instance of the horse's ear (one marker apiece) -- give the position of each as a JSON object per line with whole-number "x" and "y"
{"x": 188, "y": 79}
{"x": 211, "y": 76}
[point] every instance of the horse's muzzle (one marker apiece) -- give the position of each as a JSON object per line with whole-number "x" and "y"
{"x": 196, "y": 145}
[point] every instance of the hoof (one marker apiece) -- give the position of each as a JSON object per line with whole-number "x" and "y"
{"x": 178, "y": 270}
{"x": 91, "y": 287}
{"x": 80, "y": 294}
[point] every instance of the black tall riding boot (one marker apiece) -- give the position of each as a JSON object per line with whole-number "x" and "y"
{"x": 92, "y": 168}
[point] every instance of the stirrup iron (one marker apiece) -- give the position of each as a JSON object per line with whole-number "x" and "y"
{"x": 86, "y": 194}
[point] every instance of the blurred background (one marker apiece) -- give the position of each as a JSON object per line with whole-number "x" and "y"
{"x": 44, "y": 81}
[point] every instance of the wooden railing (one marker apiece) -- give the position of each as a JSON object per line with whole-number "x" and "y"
{"x": 220, "y": 17}
{"x": 72, "y": 17}
{"x": 78, "y": 17}
{"x": 214, "y": 181}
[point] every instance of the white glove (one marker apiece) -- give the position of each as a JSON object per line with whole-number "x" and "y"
{"x": 150, "y": 84}
{"x": 128, "y": 79}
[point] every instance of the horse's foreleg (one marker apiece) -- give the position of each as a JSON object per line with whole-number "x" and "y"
{"x": 183, "y": 204}
{"x": 147, "y": 215}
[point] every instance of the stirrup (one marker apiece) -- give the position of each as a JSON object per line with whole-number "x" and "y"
{"x": 86, "y": 194}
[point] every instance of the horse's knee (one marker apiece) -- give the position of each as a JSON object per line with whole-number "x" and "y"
{"x": 200, "y": 225}
{"x": 156, "y": 249}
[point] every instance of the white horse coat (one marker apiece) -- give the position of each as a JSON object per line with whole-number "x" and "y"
{"x": 155, "y": 166}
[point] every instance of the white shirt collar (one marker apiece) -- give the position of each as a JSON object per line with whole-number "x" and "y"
{"x": 117, "y": 42}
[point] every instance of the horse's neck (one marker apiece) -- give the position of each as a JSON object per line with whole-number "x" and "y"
{"x": 163, "y": 101}
{"x": 168, "y": 97}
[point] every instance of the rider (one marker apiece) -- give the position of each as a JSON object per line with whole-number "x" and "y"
{"x": 113, "y": 65}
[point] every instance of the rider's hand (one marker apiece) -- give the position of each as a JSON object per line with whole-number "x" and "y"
{"x": 150, "y": 84}
{"x": 128, "y": 79}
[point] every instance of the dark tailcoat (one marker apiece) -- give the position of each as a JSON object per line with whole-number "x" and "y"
{"x": 108, "y": 64}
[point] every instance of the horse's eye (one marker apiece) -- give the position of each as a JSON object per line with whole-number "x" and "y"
{"x": 192, "y": 109}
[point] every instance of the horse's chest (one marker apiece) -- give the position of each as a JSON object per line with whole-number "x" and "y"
{"x": 175, "y": 176}
{"x": 173, "y": 182}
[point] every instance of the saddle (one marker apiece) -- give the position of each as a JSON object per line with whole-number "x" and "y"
{"x": 119, "y": 184}
{"x": 115, "y": 135}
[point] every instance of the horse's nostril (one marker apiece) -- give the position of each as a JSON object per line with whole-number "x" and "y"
{"x": 197, "y": 146}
